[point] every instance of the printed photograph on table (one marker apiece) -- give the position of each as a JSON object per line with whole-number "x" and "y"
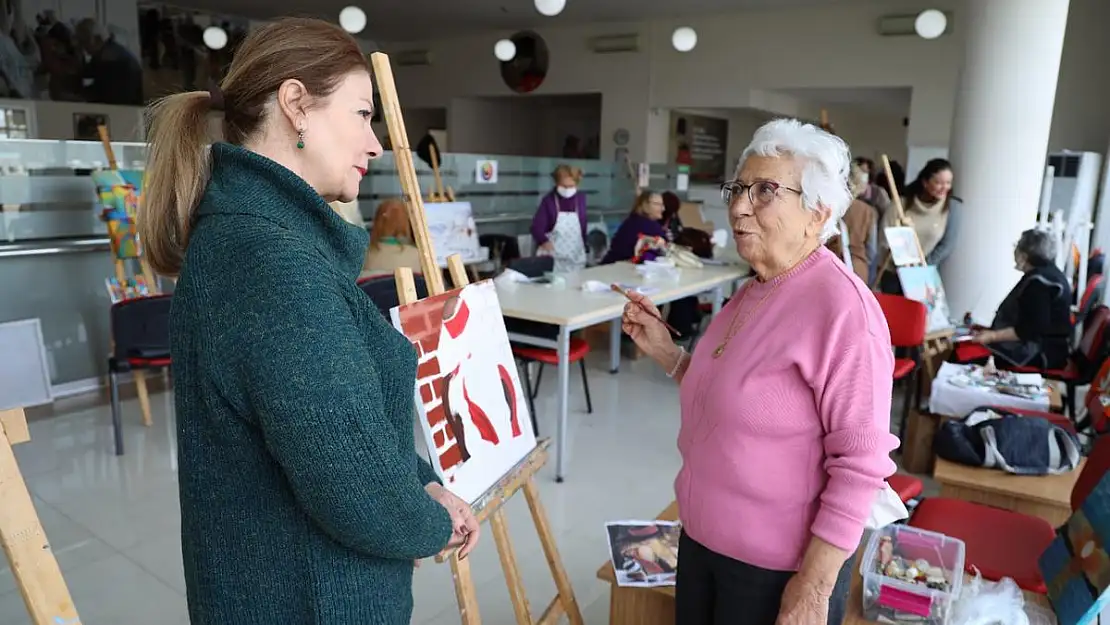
{"x": 922, "y": 284}
{"x": 904, "y": 249}
{"x": 644, "y": 553}
{"x": 453, "y": 231}
{"x": 1076, "y": 567}
{"x": 471, "y": 403}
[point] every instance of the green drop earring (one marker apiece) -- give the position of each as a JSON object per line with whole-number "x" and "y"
{"x": 300, "y": 139}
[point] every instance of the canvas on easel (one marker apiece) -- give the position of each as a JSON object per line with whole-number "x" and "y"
{"x": 520, "y": 477}
{"x": 922, "y": 283}
{"x": 24, "y": 542}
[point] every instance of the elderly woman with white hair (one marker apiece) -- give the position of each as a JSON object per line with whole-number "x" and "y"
{"x": 785, "y": 435}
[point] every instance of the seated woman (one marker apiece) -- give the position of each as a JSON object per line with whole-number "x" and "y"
{"x": 391, "y": 241}
{"x": 1033, "y": 324}
{"x": 644, "y": 220}
{"x": 672, "y": 225}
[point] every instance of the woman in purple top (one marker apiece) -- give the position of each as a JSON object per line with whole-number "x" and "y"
{"x": 559, "y": 227}
{"x": 643, "y": 220}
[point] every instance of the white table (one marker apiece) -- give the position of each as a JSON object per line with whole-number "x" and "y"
{"x": 953, "y": 400}
{"x": 570, "y": 308}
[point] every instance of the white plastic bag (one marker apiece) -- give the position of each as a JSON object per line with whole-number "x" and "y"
{"x": 989, "y": 603}
{"x": 887, "y": 508}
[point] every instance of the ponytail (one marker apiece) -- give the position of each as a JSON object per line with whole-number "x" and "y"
{"x": 177, "y": 173}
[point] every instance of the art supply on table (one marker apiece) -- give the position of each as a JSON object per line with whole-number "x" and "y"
{"x": 640, "y": 303}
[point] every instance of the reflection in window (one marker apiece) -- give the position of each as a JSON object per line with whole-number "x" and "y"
{"x": 13, "y": 123}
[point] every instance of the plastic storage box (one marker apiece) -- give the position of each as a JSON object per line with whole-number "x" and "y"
{"x": 893, "y": 600}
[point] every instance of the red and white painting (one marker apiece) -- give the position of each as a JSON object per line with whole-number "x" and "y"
{"x": 472, "y": 406}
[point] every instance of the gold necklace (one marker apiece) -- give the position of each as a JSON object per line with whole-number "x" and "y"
{"x": 733, "y": 327}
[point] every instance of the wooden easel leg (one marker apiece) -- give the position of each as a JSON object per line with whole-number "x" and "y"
{"x": 465, "y": 591}
{"x": 500, "y": 529}
{"x": 144, "y": 396}
{"x": 565, "y": 599}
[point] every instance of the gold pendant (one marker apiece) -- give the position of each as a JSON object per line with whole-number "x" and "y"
{"x": 720, "y": 350}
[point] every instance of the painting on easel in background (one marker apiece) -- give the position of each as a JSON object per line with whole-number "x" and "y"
{"x": 473, "y": 410}
{"x": 453, "y": 231}
{"x": 904, "y": 250}
{"x": 923, "y": 284}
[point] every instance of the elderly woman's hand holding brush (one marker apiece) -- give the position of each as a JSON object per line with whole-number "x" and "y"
{"x": 643, "y": 323}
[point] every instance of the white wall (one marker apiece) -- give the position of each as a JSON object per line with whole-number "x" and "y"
{"x": 742, "y": 56}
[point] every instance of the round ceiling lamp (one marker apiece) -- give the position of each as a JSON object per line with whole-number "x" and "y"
{"x": 352, "y": 19}
{"x": 215, "y": 37}
{"x": 551, "y": 8}
{"x": 504, "y": 50}
{"x": 930, "y": 24}
{"x": 684, "y": 39}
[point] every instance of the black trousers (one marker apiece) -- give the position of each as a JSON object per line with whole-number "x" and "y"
{"x": 713, "y": 589}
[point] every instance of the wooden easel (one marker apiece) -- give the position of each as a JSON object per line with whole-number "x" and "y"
{"x": 138, "y": 375}
{"x": 522, "y": 477}
{"x": 32, "y": 562}
{"x": 440, "y": 193}
{"x": 938, "y": 342}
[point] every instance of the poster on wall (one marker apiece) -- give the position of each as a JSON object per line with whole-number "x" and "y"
{"x": 700, "y": 143}
{"x": 453, "y": 231}
{"x": 485, "y": 172}
{"x": 471, "y": 405}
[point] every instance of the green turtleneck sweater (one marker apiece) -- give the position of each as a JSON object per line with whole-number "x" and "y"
{"x": 302, "y": 496}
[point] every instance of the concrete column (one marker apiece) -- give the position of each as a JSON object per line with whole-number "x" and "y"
{"x": 999, "y": 141}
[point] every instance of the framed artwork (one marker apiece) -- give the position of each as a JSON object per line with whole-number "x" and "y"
{"x": 1075, "y": 566}
{"x": 923, "y": 284}
{"x": 904, "y": 250}
{"x": 453, "y": 231}
{"x": 471, "y": 405}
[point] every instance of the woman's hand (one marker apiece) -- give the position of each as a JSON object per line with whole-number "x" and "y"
{"x": 463, "y": 523}
{"x": 983, "y": 337}
{"x": 647, "y": 329}
{"x": 547, "y": 246}
{"x": 803, "y": 603}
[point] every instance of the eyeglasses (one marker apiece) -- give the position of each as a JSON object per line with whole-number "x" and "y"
{"x": 760, "y": 192}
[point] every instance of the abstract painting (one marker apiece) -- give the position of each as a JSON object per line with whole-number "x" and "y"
{"x": 923, "y": 284}
{"x": 904, "y": 249}
{"x": 1075, "y": 566}
{"x": 471, "y": 404}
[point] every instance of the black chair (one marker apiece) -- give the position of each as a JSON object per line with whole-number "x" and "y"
{"x": 141, "y": 333}
{"x": 382, "y": 290}
{"x": 503, "y": 248}
{"x": 534, "y": 267}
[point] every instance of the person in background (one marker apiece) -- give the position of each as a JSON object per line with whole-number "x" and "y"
{"x": 559, "y": 225}
{"x": 785, "y": 434}
{"x": 934, "y": 214}
{"x": 644, "y": 220}
{"x": 685, "y": 315}
{"x": 855, "y": 242}
{"x": 113, "y": 74}
{"x": 899, "y": 172}
{"x": 391, "y": 241}
{"x": 672, "y": 225}
{"x": 1096, "y": 285}
{"x": 303, "y": 499}
{"x": 872, "y": 193}
{"x": 1032, "y": 326}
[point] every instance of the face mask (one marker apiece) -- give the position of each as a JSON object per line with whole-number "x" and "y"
{"x": 566, "y": 192}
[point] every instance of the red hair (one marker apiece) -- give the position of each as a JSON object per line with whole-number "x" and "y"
{"x": 391, "y": 220}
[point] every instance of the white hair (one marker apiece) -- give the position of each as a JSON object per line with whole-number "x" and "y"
{"x": 825, "y": 164}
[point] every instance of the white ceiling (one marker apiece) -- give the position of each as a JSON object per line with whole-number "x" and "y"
{"x": 406, "y": 20}
{"x": 891, "y": 100}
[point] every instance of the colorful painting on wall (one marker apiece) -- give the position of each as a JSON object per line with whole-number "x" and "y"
{"x": 471, "y": 404}
{"x": 1076, "y": 567}
{"x": 923, "y": 284}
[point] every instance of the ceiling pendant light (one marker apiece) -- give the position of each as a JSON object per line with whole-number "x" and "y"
{"x": 551, "y": 8}
{"x": 504, "y": 50}
{"x": 352, "y": 19}
{"x": 214, "y": 37}
{"x": 930, "y": 24}
{"x": 684, "y": 39}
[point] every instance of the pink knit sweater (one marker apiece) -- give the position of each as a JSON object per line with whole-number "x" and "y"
{"x": 786, "y": 436}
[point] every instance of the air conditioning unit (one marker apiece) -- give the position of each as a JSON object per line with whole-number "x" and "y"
{"x": 614, "y": 44}
{"x": 903, "y": 25}
{"x": 411, "y": 58}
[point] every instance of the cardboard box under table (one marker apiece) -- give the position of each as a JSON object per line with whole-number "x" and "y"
{"x": 655, "y": 606}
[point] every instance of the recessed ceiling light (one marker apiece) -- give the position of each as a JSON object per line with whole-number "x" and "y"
{"x": 215, "y": 37}
{"x": 504, "y": 50}
{"x": 930, "y": 24}
{"x": 352, "y": 19}
{"x": 684, "y": 39}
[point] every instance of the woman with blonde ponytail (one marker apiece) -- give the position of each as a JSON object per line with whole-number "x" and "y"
{"x": 302, "y": 497}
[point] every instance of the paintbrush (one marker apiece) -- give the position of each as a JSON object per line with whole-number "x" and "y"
{"x": 619, "y": 289}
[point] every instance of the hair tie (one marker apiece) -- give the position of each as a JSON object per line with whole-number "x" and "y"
{"x": 215, "y": 96}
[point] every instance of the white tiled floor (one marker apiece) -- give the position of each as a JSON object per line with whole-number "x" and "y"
{"x": 114, "y": 522}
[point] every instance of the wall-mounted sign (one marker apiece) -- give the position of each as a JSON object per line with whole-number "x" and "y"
{"x": 485, "y": 172}
{"x": 699, "y": 142}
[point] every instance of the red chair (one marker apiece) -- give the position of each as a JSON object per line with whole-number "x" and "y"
{"x": 1083, "y": 362}
{"x": 1001, "y": 543}
{"x": 907, "y": 486}
{"x": 141, "y": 340}
{"x": 968, "y": 352}
{"x": 906, "y": 319}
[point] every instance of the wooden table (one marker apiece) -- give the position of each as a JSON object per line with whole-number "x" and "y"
{"x": 570, "y": 308}
{"x": 655, "y": 606}
{"x": 1044, "y": 496}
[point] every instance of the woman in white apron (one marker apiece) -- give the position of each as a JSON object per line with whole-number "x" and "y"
{"x": 559, "y": 226}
